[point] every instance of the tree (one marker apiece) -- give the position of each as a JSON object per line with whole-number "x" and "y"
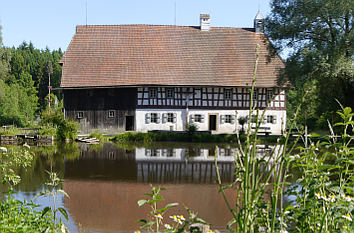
{"x": 5, "y": 56}
{"x": 318, "y": 35}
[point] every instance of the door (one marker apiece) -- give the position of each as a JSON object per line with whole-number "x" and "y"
{"x": 212, "y": 122}
{"x": 129, "y": 123}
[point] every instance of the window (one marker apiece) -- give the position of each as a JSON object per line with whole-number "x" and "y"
{"x": 198, "y": 118}
{"x": 168, "y": 153}
{"x": 80, "y": 115}
{"x": 227, "y": 94}
{"x": 154, "y": 152}
{"x": 152, "y": 93}
{"x": 170, "y": 117}
{"x": 154, "y": 118}
{"x": 229, "y": 119}
{"x": 111, "y": 113}
{"x": 254, "y": 119}
{"x": 169, "y": 93}
{"x": 271, "y": 119}
{"x": 269, "y": 95}
{"x": 255, "y": 96}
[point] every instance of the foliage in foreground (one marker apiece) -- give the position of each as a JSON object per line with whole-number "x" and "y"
{"x": 321, "y": 199}
{"x": 18, "y": 216}
{"x": 156, "y": 221}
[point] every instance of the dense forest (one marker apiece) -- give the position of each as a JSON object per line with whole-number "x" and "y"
{"x": 24, "y": 79}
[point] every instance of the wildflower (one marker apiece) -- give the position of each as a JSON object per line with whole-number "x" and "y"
{"x": 318, "y": 195}
{"x": 159, "y": 216}
{"x": 347, "y": 217}
{"x": 211, "y": 231}
{"x": 137, "y": 231}
{"x": 167, "y": 226}
{"x": 174, "y": 217}
{"x": 346, "y": 198}
{"x": 182, "y": 218}
{"x": 283, "y": 231}
{"x": 332, "y": 198}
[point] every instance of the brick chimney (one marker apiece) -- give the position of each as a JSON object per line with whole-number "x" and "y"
{"x": 204, "y": 22}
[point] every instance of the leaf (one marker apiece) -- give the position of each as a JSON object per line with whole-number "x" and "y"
{"x": 142, "y": 202}
{"x": 170, "y": 205}
{"x": 199, "y": 220}
{"x": 147, "y": 225}
{"x": 63, "y": 212}
{"x": 63, "y": 192}
{"x": 45, "y": 210}
{"x": 43, "y": 193}
{"x": 141, "y": 221}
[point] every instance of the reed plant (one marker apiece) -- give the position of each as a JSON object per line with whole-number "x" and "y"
{"x": 323, "y": 195}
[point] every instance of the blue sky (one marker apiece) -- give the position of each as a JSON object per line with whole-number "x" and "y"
{"x": 52, "y": 23}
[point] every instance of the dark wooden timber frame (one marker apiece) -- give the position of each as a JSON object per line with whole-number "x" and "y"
{"x": 209, "y": 98}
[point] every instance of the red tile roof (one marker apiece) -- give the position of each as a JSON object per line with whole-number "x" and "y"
{"x": 123, "y": 55}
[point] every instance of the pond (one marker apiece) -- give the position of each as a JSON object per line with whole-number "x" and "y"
{"x": 105, "y": 182}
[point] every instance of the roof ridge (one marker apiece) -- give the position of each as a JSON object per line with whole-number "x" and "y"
{"x": 157, "y": 25}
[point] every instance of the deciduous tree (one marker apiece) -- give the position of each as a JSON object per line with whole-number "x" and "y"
{"x": 318, "y": 37}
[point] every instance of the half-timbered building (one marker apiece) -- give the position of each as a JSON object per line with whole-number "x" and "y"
{"x": 161, "y": 77}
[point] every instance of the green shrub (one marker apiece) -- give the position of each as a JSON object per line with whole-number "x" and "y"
{"x": 191, "y": 129}
{"x": 67, "y": 129}
{"x": 17, "y": 216}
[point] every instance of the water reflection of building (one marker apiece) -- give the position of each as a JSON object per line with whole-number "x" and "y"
{"x": 194, "y": 165}
{"x": 158, "y": 165}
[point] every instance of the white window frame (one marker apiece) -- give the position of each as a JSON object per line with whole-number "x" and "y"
{"x": 152, "y": 92}
{"x": 198, "y": 118}
{"x": 154, "y": 118}
{"x": 269, "y": 95}
{"x": 271, "y": 119}
{"x": 255, "y": 96}
{"x": 80, "y": 115}
{"x": 111, "y": 113}
{"x": 229, "y": 119}
{"x": 170, "y": 117}
{"x": 228, "y": 94}
{"x": 169, "y": 93}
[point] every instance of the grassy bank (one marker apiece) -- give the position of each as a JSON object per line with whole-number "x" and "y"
{"x": 174, "y": 136}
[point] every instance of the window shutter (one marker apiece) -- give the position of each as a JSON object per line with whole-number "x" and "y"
{"x": 147, "y": 152}
{"x": 232, "y": 119}
{"x": 264, "y": 120}
{"x": 202, "y": 119}
{"x": 164, "y": 117}
{"x": 192, "y": 118}
{"x": 174, "y": 152}
{"x": 201, "y": 153}
{"x": 164, "y": 152}
{"x": 158, "y": 118}
{"x": 274, "y": 119}
{"x": 222, "y": 119}
{"x": 158, "y": 152}
{"x": 221, "y": 152}
{"x": 174, "y": 117}
{"x": 147, "y": 118}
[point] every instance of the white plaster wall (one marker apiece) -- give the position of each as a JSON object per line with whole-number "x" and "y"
{"x": 141, "y": 155}
{"x": 221, "y": 128}
{"x": 141, "y": 125}
{"x": 274, "y": 128}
